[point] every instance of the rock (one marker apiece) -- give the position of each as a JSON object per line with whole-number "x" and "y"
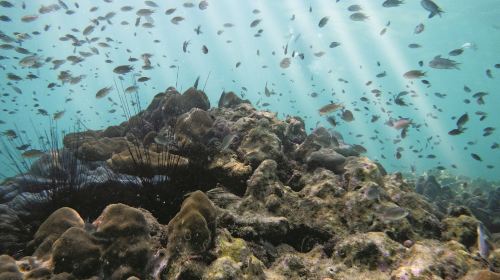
{"x": 263, "y": 181}
{"x": 319, "y": 138}
{"x": 258, "y": 145}
{"x": 8, "y": 269}
{"x": 192, "y": 129}
{"x": 76, "y": 252}
{"x": 230, "y": 172}
{"x": 428, "y": 187}
{"x": 462, "y": 229}
{"x": 146, "y": 163}
{"x": 326, "y": 158}
{"x": 234, "y": 260}
{"x": 295, "y": 131}
{"x": 482, "y": 275}
{"x": 373, "y": 250}
{"x": 192, "y": 229}
{"x": 128, "y": 249}
{"x": 429, "y": 259}
{"x": 50, "y": 230}
{"x": 100, "y": 149}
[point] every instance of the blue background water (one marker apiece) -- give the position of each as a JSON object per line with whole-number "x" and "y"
{"x": 355, "y": 60}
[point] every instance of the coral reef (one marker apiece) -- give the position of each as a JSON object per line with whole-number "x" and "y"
{"x": 185, "y": 191}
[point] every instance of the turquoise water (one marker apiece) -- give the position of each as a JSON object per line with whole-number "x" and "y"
{"x": 345, "y": 74}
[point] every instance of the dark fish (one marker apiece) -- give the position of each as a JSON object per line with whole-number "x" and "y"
{"x": 456, "y": 52}
{"x": 432, "y": 7}
{"x": 6, "y": 4}
{"x": 176, "y": 20}
{"x": 103, "y": 92}
{"x": 462, "y": 120}
{"x": 476, "y": 157}
{"x": 443, "y": 63}
{"x": 238, "y": 64}
{"x": 334, "y": 44}
{"x": 204, "y": 49}
{"x": 5, "y": 18}
{"x": 392, "y": 3}
{"x": 414, "y": 46}
{"x": 255, "y": 23}
{"x": 170, "y": 11}
{"x": 323, "y": 22}
{"x": 489, "y": 74}
{"x": 203, "y": 5}
{"x": 358, "y": 16}
{"x": 354, "y": 8}
{"x": 123, "y": 69}
{"x": 143, "y": 79}
{"x": 347, "y": 116}
{"x": 185, "y": 45}
{"x": 455, "y": 131}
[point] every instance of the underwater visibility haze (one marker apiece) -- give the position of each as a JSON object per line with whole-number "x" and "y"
{"x": 250, "y": 139}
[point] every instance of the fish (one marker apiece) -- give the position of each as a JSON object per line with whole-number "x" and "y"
{"x": 431, "y": 7}
{"x": 58, "y": 115}
{"x": 443, "y": 63}
{"x": 372, "y": 192}
{"x": 227, "y": 141}
{"x": 329, "y": 108}
{"x": 392, "y": 213}
{"x": 29, "y": 18}
{"x": 347, "y": 116}
{"x": 483, "y": 244}
{"x": 6, "y": 4}
{"x": 489, "y": 74}
{"x": 334, "y": 45}
{"x": 400, "y": 124}
{"x": 462, "y": 120}
{"x": 392, "y": 3}
{"x": 255, "y": 23}
{"x": 176, "y": 20}
{"x": 32, "y": 153}
{"x": 170, "y": 11}
{"x": 285, "y": 63}
{"x": 103, "y": 92}
{"x": 143, "y": 79}
{"x": 123, "y": 69}
{"x": 419, "y": 28}
{"x": 323, "y": 22}
{"x": 5, "y": 18}
{"x": 476, "y": 157}
{"x": 131, "y": 89}
{"x": 185, "y": 46}
{"x": 414, "y": 46}
{"x": 456, "y": 52}
{"x": 204, "y": 49}
{"x": 203, "y": 5}
{"x": 23, "y": 147}
{"x": 414, "y": 74}
{"x": 359, "y": 16}
{"x": 354, "y": 8}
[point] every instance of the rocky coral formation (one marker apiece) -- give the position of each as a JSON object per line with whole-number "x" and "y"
{"x": 185, "y": 191}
